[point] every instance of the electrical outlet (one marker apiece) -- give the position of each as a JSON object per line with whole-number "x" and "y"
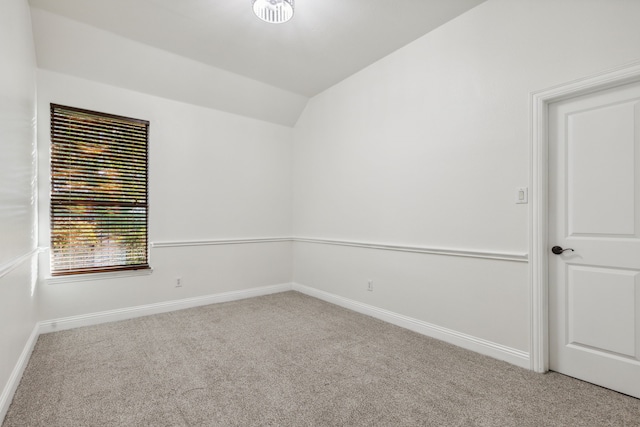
{"x": 178, "y": 282}
{"x": 370, "y": 286}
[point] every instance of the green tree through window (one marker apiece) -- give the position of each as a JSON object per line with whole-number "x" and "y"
{"x": 99, "y": 195}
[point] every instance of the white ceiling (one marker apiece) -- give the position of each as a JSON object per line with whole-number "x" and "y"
{"x": 325, "y": 42}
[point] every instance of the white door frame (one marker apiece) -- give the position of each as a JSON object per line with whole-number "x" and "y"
{"x": 539, "y": 207}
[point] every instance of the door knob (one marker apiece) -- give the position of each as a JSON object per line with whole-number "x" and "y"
{"x": 558, "y": 250}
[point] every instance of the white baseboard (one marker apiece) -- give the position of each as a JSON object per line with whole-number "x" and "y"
{"x": 479, "y": 345}
{"x": 114, "y": 315}
{"x": 162, "y": 307}
{"x": 498, "y": 351}
{"x": 16, "y": 375}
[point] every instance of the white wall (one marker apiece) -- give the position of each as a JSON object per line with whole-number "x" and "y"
{"x": 213, "y": 176}
{"x": 426, "y": 148}
{"x": 77, "y": 49}
{"x": 17, "y": 187}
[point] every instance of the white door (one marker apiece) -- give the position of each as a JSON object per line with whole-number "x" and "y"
{"x": 594, "y": 209}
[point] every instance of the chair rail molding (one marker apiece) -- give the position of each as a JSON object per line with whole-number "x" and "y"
{"x": 15, "y": 263}
{"x": 215, "y": 242}
{"x": 503, "y": 256}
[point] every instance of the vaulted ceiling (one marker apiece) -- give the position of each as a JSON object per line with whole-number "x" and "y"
{"x": 325, "y": 42}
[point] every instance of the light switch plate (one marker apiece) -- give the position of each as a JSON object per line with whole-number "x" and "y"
{"x": 522, "y": 195}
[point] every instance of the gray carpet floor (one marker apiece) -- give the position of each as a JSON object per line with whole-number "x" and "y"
{"x": 289, "y": 360}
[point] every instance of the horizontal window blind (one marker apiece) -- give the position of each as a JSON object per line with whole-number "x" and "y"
{"x": 99, "y": 195}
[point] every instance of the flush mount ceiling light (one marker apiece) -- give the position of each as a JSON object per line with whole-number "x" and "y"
{"x": 273, "y": 11}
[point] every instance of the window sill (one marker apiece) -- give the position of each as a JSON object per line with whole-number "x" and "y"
{"x": 89, "y": 277}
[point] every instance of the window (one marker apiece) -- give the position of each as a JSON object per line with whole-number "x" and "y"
{"x": 99, "y": 196}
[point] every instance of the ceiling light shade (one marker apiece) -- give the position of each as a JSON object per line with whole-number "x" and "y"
{"x": 273, "y": 11}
